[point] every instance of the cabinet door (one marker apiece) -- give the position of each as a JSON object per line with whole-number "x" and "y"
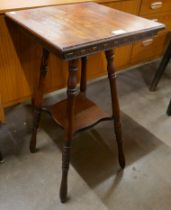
{"x": 149, "y": 49}
{"x": 152, "y": 48}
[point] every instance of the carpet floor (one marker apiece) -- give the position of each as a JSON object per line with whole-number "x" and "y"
{"x": 31, "y": 181}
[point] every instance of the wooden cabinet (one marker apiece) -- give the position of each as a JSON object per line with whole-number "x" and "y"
{"x": 153, "y": 48}
{"x": 18, "y": 62}
{"x": 155, "y": 6}
{"x": 131, "y": 6}
{"x": 148, "y": 49}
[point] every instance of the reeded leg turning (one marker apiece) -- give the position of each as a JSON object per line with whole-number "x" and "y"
{"x": 71, "y": 93}
{"x": 115, "y": 105}
{"x": 38, "y": 98}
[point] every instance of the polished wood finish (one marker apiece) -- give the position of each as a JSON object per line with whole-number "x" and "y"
{"x": 77, "y": 112}
{"x": 87, "y": 113}
{"x": 38, "y": 23}
{"x": 70, "y": 121}
{"x": 66, "y": 153}
{"x": 161, "y": 69}
{"x": 71, "y": 35}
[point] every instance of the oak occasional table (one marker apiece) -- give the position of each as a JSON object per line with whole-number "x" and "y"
{"x": 73, "y": 32}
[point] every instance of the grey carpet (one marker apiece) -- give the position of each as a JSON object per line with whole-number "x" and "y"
{"x": 31, "y": 181}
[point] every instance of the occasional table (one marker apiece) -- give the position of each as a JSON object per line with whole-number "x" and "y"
{"x": 73, "y": 32}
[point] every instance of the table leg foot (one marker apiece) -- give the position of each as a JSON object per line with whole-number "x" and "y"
{"x": 169, "y": 109}
{"x": 33, "y": 141}
{"x": 65, "y": 168}
{"x": 118, "y": 134}
{"x": 37, "y": 114}
{"x": 1, "y": 158}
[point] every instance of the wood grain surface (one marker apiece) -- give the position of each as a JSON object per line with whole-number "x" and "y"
{"x": 65, "y": 28}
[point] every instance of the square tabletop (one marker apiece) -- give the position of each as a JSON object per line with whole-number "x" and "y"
{"x": 76, "y": 30}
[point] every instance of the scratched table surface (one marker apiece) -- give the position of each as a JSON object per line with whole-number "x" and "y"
{"x": 65, "y": 29}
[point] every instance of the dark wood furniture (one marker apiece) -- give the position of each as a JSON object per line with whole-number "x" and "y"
{"x": 161, "y": 69}
{"x": 73, "y": 32}
{"x": 1, "y": 158}
{"x": 169, "y": 109}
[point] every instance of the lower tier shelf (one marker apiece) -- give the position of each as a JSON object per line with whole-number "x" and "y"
{"x": 86, "y": 115}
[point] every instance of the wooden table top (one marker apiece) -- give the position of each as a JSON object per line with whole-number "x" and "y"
{"x": 77, "y": 30}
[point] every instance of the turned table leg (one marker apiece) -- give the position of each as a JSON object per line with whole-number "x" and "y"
{"x": 115, "y": 105}
{"x": 71, "y": 93}
{"x": 38, "y": 99}
{"x": 83, "y": 82}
